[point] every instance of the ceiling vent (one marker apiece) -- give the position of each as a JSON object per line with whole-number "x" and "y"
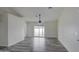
{"x": 50, "y": 7}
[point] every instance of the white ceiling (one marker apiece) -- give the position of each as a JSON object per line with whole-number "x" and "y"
{"x": 10, "y": 10}
{"x": 30, "y": 13}
{"x": 46, "y": 14}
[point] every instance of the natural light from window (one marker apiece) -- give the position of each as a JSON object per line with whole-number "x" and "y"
{"x": 39, "y": 31}
{"x": 39, "y": 40}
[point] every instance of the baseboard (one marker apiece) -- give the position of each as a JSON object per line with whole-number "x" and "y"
{"x": 44, "y": 37}
{"x": 51, "y": 37}
{"x": 12, "y": 44}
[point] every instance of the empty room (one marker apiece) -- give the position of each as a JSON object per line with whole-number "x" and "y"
{"x": 39, "y": 29}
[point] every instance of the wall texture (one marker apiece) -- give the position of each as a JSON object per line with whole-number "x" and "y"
{"x": 3, "y": 30}
{"x": 16, "y": 29}
{"x": 30, "y": 28}
{"x": 50, "y": 28}
{"x": 68, "y": 29}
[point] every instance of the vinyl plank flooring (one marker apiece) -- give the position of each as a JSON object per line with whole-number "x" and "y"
{"x": 51, "y": 45}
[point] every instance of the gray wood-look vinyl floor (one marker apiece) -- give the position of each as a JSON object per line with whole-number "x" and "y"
{"x": 51, "y": 45}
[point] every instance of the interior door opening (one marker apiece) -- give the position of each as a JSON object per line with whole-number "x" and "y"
{"x": 39, "y": 40}
{"x": 39, "y": 31}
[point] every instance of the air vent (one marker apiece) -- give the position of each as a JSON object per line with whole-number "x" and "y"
{"x": 50, "y": 7}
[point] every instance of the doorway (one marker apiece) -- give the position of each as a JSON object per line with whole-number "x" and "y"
{"x": 39, "y": 31}
{"x": 39, "y": 40}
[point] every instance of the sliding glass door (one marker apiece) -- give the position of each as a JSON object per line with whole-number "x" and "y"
{"x": 39, "y": 31}
{"x": 39, "y": 40}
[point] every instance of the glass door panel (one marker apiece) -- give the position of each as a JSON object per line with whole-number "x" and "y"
{"x": 39, "y": 31}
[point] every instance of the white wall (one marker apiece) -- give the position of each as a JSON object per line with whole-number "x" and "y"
{"x": 3, "y": 30}
{"x": 50, "y": 28}
{"x": 16, "y": 29}
{"x": 30, "y": 29}
{"x": 68, "y": 29}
